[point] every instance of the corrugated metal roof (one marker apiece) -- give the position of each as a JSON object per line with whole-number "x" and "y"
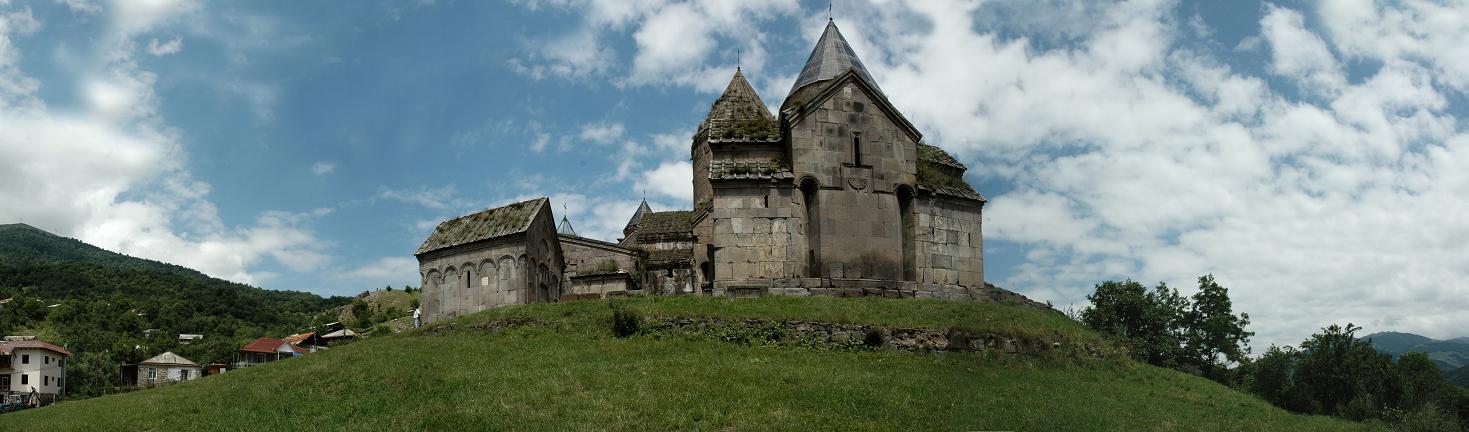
{"x": 264, "y": 345}
{"x": 496, "y": 222}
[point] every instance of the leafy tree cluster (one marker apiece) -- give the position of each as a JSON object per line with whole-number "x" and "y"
{"x": 1332, "y": 373}
{"x": 1335, "y": 373}
{"x": 110, "y": 310}
{"x": 1198, "y": 334}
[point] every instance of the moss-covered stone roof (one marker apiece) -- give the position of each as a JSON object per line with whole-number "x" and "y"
{"x": 935, "y": 155}
{"x": 666, "y": 226}
{"x": 740, "y": 115}
{"x": 749, "y": 170}
{"x": 496, "y": 222}
{"x": 670, "y": 257}
{"x": 940, "y": 174}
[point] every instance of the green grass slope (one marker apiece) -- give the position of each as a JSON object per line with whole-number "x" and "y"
{"x": 566, "y": 371}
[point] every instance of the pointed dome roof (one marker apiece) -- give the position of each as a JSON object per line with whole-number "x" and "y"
{"x": 740, "y": 114}
{"x": 637, "y": 217}
{"x": 832, "y": 56}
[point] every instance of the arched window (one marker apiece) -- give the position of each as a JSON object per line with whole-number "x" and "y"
{"x": 857, "y": 149}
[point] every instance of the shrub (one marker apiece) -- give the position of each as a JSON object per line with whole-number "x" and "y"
{"x": 625, "y": 322}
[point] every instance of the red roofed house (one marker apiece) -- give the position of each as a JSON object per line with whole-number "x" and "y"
{"x": 265, "y": 350}
{"x": 28, "y": 365}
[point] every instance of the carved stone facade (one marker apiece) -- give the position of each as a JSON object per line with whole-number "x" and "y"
{"x": 501, "y": 256}
{"x": 837, "y": 196}
{"x": 838, "y": 191}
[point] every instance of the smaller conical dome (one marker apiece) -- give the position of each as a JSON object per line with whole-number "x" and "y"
{"x": 740, "y": 114}
{"x": 637, "y": 217}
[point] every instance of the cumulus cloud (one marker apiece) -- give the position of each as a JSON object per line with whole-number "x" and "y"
{"x": 395, "y": 271}
{"x": 675, "y": 41}
{"x": 112, "y": 173}
{"x": 602, "y": 132}
{"x": 670, "y": 179}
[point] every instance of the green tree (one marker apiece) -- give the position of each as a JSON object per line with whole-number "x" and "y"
{"x": 1149, "y": 322}
{"x": 362, "y": 312}
{"x": 1215, "y": 335}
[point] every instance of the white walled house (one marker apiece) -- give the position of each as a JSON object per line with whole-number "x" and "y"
{"x": 32, "y": 365}
{"x": 166, "y": 368}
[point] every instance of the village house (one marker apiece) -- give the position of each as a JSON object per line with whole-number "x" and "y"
{"x": 162, "y": 369}
{"x": 310, "y": 341}
{"x": 265, "y": 350}
{"x": 29, "y": 366}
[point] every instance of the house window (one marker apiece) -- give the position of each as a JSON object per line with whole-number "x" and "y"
{"x": 183, "y": 375}
{"x": 259, "y": 358}
{"x": 46, "y": 359}
{"x": 25, "y": 359}
{"x": 45, "y": 381}
{"x": 25, "y": 379}
{"x": 5, "y": 382}
{"x": 152, "y": 373}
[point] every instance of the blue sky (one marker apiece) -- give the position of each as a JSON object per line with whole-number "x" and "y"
{"x": 1311, "y": 155}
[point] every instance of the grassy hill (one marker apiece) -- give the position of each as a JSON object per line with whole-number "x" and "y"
{"x": 1447, "y": 354}
{"x": 699, "y": 363}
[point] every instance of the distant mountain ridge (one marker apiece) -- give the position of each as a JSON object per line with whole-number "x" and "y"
{"x": 1449, "y": 355}
{"x": 1458, "y": 377}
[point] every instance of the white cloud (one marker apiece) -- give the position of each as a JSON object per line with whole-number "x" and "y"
{"x": 670, "y": 179}
{"x": 112, "y": 173}
{"x": 395, "y": 271}
{"x": 1300, "y": 54}
{"x": 172, "y": 46}
{"x": 675, "y": 41}
{"x": 131, "y": 17}
{"x": 602, "y": 132}
{"x": 323, "y": 167}
{"x": 440, "y": 198}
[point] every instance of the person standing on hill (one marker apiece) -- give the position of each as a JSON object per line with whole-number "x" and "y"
{"x": 416, "y": 322}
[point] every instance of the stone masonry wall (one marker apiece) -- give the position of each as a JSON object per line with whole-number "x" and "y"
{"x": 472, "y": 278}
{"x": 949, "y": 244}
{"x": 757, "y": 232}
{"x": 860, "y": 230}
{"x": 586, "y": 255}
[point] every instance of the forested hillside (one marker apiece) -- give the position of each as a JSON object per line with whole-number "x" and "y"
{"x": 110, "y": 309}
{"x": 1446, "y": 354}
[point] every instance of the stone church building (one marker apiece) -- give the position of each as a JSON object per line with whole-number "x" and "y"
{"x": 836, "y": 194}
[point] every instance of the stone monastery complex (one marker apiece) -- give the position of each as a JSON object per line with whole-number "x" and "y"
{"x": 838, "y": 195}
